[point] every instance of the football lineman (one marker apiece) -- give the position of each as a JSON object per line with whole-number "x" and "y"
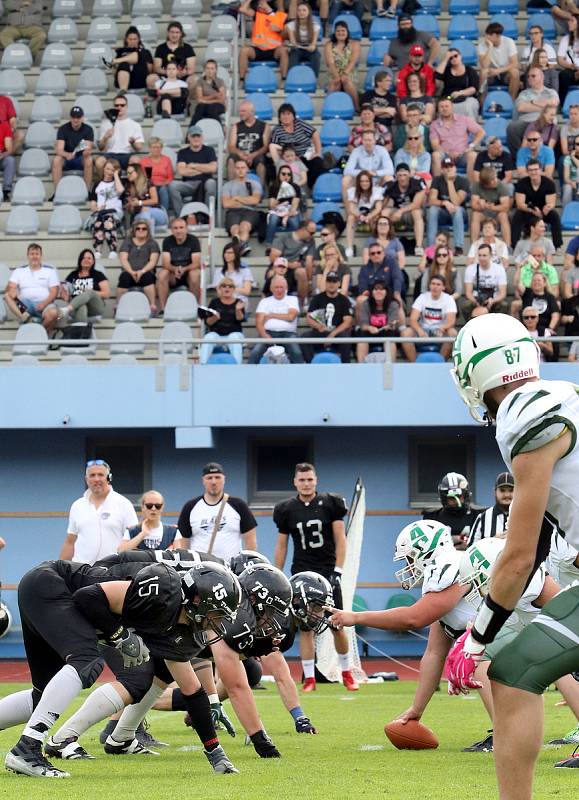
{"x": 496, "y": 370}
{"x": 454, "y": 511}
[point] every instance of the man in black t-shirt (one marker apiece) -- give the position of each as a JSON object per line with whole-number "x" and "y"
{"x": 384, "y": 102}
{"x": 403, "y": 203}
{"x": 180, "y": 262}
{"x": 496, "y": 157}
{"x": 74, "y": 146}
{"x": 535, "y": 198}
{"x": 315, "y": 522}
{"x": 197, "y": 166}
{"x": 330, "y": 315}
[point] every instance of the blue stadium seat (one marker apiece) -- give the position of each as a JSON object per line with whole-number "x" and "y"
{"x": 463, "y": 26}
{"x": 571, "y": 100}
{"x": 468, "y": 50}
{"x": 327, "y": 188}
{"x": 503, "y": 99}
{"x": 464, "y": 7}
{"x": 302, "y": 104}
{"x": 428, "y": 24}
{"x": 353, "y": 23}
{"x": 335, "y": 132}
{"x": 383, "y": 28}
{"x": 337, "y": 152}
{"x": 428, "y": 7}
{"x": 570, "y": 217}
{"x": 376, "y": 53}
{"x": 509, "y": 23}
{"x": 496, "y": 126}
{"x": 221, "y": 358}
{"x": 503, "y": 7}
{"x": 301, "y": 79}
{"x": 337, "y": 105}
{"x": 320, "y": 209}
{"x": 262, "y": 103}
{"x": 326, "y": 358}
{"x": 429, "y": 357}
{"x": 547, "y": 24}
{"x": 371, "y": 77}
{"x": 261, "y": 79}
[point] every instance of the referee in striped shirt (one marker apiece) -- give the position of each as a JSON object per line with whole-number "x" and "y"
{"x": 493, "y": 520}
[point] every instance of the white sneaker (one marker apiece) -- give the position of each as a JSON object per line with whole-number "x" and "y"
{"x": 113, "y": 256}
{"x": 349, "y": 252}
{"x": 69, "y": 750}
{"x": 131, "y": 747}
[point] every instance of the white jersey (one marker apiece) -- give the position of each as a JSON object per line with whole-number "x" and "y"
{"x": 561, "y": 561}
{"x": 535, "y": 414}
{"x": 442, "y": 573}
{"x": 525, "y": 611}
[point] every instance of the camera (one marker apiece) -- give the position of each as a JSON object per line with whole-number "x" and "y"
{"x": 325, "y": 417}
{"x": 111, "y": 114}
{"x": 66, "y": 419}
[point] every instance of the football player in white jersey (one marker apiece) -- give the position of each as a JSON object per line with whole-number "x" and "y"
{"x": 496, "y": 369}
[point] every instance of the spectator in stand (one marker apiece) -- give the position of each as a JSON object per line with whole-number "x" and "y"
{"x": 277, "y": 317}
{"x": 236, "y": 270}
{"x": 404, "y": 202}
{"x": 7, "y": 160}
{"x": 382, "y": 100}
{"x": 249, "y": 140}
{"x": 289, "y": 158}
{"x": 538, "y": 296}
{"x": 240, "y": 198}
{"x": 571, "y": 175}
{"x": 363, "y": 206}
{"x": 267, "y": 36}
{"x": 299, "y": 249}
{"x": 132, "y": 64}
{"x": 413, "y": 114}
{"x": 371, "y": 158}
{"x": 107, "y": 209}
{"x": 151, "y": 533}
{"x": 74, "y": 148}
{"x": 303, "y": 137}
{"x": 210, "y": 94}
{"x": 284, "y": 204}
{"x": 536, "y": 263}
{"x": 416, "y": 66}
{"x": 546, "y": 126}
{"x": 499, "y": 60}
{"x": 499, "y": 250}
{"x": 414, "y": 155}
{"x": 570, "y": 131}
{"x": 197, "y": 168}
{"x": 449, "y": 137}
{"x": 485, "y": 286}
{"x": 302, "y": 34}
{"x": 333, "y": 262}
{"x": 443, "y": 264}
{"x": 88, "y": 288}
{"x": 23, "y": 20}
{"x": 562, "y": 12}
{"x": 355, "y": 7}
{"x": 139, "y": 255}
{"x": 159, "y": 170}
{"x": 530, "y": 318}
{"x": 399, "y": 48}
{"x": 570, "y": 318}
{"x": 32, "y": 289}
{"x": 279, "y": 267}
{"x": 416, "y": 95}
{"x": 174, "y": 50}
{"x": 490, "y": 198}
{"x": 142, "y": 200}
{"x": 329, "y": 234}
{"x": 330, "y": 316}
{"x": 119, "y": 139}
{"x": 8, "y": 114}
{"x": 225, "y": 323}
{"x": 378, "y": 316}
{"x": 433, "y": 314}
{"x": 172, "y": 93}
{"x": 180, "y": 263}
{"x": 496, "y": 157}
{"x": 528, "y": 106}
{"x": 380, "y": 267}
{"x": 368, "y": 122}
{"x": 550, "y": 74}
{"x": 447, "y": 204}
{"x": 383, "y": 234}
{"x": 341, "y": 56}
{"x": 534, "y": 232}
{"x": 460, "y": 83}
{"x": 535, "y": 196}
{"x": 568, "y": 58}
{"x": 534, "y": 150}
{"x": 536, "y": 43}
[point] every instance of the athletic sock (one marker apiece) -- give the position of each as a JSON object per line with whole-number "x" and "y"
{"x": 99, "y": 705}
{"x": 59, "y": 692}
{"x": 344, "y": 659}
{"x": 178, "y": 701}
{"x": 308, "y": 666}
{"x": 15, "y": 709}
{"x": 133, "y": 715}
{"x": 200, "y": 712}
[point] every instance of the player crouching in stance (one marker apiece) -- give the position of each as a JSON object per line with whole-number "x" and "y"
{"x": 496, "y": 369}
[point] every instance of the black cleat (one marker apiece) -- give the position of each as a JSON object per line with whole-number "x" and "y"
{"x": 485, "y": 746}
{"x": 107, "y": 730}
{"x": 144, "y": 736}
{"x": 130, "y": 747}
{"x": 27, "y": 758}
{"x": 219, "y": 761}
{"x": 569, "y": 763}
{"x": 69, "y": 750}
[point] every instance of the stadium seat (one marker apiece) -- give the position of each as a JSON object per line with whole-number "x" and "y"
{"x": 12, "y": 83}
{"x": 25, "y": 361}
{"x": 335, "y": 132}
{"x": 467, "y": 49}
{"x": 136, "y": 109}
{"x": 63, "y": 30}
{"x": 40, "y": 134}
{"x": 28, "y": 191}
{"x": 148, "y": 8}
{"x": 92, "y": 107}
{"x": 22, "y": 221}
{"x": 196, "y": 208}
{"x": 326, "y": 357}
{"x": 301, "y": 78}
{"x": 223, "y": 28}
{"x": 320, "y": 209}
{"x": 175, "y": 337}
{"x": 400, "y": 600}
{"x": 496, "y": 126}
{"x": 428, "y": 7}
{"x": 262, "y": 103}
{"x": 221, "y": 358}
{"x": 4, "y": 276}
{"x": 67, "y": 8}
{"x": 571, "y": 100}
{"x": 71, "y": 190}
{"x": 123, "y": 360}
{"x": 169, "y": 151}
{"x": 108, "y": 8}
{"x": 383, "y": 28}
{"x": 503, "y": 7}
{"x": 302, "y": 104}
{"x": 181, "y": 307}
{"x": 190, "y": 28}
{"x": 509, "y": 23}
{"x": 353, "y": 23}
{"x": 463, "y": 26}
{"x": 133, "y": 307}
{"x": 337, "y": 105}
{"x": 547, "y": 24}
{"x": 72, "y": 359}
{"x": 464, "y": 7}
{"x": 3, "y": 311}
{"x": 327, "y": 188}
{"x": 56, "y": 56}
{"x": 128, "y": 337}
{"x": 51, "y": 81}
{"x": 212, "y": 132}
{"x": 192, "y": 7}
{"x": 94, "y": 53}
{"x": 87, "y": 348}
{"x": 102, "y": 29}
{"x": 429, "y": 358}
{"x": 261, "y": 79}
{"x": 501, "y": 98}
{"x": 92, "y": 81}
{"x": 65, "y": 220}
{"x": 46, "y": 109}
{"x": 34, "y": 162}
{"x": 376, "y": 53}
{"x": 169, "y": 131}
{"x": 16, "y": 56}
{"x": 570, "y": 217}
{"x": 221, "y": 52}
{"x": 370, "y": 78}
{"x": 429, "y": 24}
{"x": 31, "y": 340}
{"x": 148, "y": 29}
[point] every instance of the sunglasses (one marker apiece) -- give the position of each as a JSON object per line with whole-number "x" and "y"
{"x": 141, "y": 228}
{"x": 150, "y": 506}
{"x": 530, "y": 316}
{"x": 96, "y": 462}
{"x": 412, "y": 138}
{"x": 324, "y": 233}
{"x": 120, "y": 105}
{"x": 533, "y": 139}
{"x": 375, "y": 252}
{"x": 227, "y": 286}
{"x": 442, "y": 254}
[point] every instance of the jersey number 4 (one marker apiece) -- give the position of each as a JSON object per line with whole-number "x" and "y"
{"x": 313, "y": 533}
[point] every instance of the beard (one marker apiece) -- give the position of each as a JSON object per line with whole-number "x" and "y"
{"x": 407, "y": 35}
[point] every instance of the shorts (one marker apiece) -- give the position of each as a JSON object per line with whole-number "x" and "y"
{"x": 31, "y": 307}
{"x": 264, "y": 55}
{"x": 234, "y": 217}
{"x": 504, "y": 637}
{"x": 127, "y": 281}
{"x": 76, "y": 163}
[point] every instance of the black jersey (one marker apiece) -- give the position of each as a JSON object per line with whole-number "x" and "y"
{"x": 310, "y": 526}
{"x": 460, "y": 524}
{"x": 281, "y": 641}
{"x": 179, "y": 559}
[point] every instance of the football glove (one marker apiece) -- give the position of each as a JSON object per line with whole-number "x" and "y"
{"x": 218, "y": 715}
{"x": 131, "y": 647}
{"x": 461, "y": 664}
{"x": 303, "y": 725}
{"x": 263, "y": 745}
{"x": 336, "y": 580}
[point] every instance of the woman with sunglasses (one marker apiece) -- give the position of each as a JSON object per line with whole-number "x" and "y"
{"x": 459, "y": 82}
{"x": 333, "y": 262}
{"x": 530, "y": 318}
{"x": 142, "y": 198}
{"x": 425, "y": 263}
{"x": 225, "y": 323}
{"x": 151, "y": 533}
{"x": 363, "y": 207}
{"x": 139, "y": 255}
{"x": 443, "y": 265}
{"x": 383, "y": 234}
{"x": 284, "y": 204}
{"x": 416, "y": 156}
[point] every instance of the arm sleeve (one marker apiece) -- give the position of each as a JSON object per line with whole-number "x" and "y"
{"x": 184, "y": 523}
{"x": 279, "y": 518}
{"x": 246, "y": 519}
{"x": 93, "y": 604}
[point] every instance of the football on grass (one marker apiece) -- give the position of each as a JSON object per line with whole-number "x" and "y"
{"x": 412, "y": 736}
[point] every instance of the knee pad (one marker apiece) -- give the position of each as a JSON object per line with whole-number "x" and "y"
{"x": 253, "y": 671}
{"x": 88, "y": 669}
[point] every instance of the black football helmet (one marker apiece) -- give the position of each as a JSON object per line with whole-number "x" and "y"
{"x": 311, "y": 592}
{"x": 270, "y": 595}
{"x": 211, "y": 593}
{"x": 455, "y": 485}
{"x": 5, "y": 619}
{"x": 247, "y": 558}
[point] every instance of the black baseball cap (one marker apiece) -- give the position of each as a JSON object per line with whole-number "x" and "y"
{"x": 504, "y": 479}
{"x": 213, "y": 468}
{"x": 76, "y": 111}
{"x": 333, "y": 276}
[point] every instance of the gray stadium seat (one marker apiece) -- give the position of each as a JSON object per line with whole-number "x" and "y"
{"x": 148, "y": 8}
{"x": 148, "y": 29}
{"x": 128, "y": 332}
{"x": 51, "y": 81}
{"x": 16, "y": 56}
{"x": 92, "y": 81}
{"x": 94, "y": 54}
{"x": 169, "y": 131}
{"x": 168, "y": 151}
{"x": 88, "y": 349}
{"x": 123, "y": 360}
{"x": 4, "y": 276}
{"x": 58, "y": 55}
{"x": 3, "y": 311}
{"x": 133, "y": 307}
{"x": 63, "y": 30}
{"x": 40, "y": 134}
{"x": 219, "y": 51}
{"x": 73, "y": 359}
{"x": 376, "y": 358}
{"x": 30, "y": 340}
{"x": 169, "y": 359}
{"x": 46, "y": 109}
{"x": 12, "y": 83}
{"x": 67, "y": 8}
{"x": 71, "y": 190}
{"x": 181, "y": 307}
{"x": 136, "y": 108}
{"x": 190, "y": 28}
{"x": 192, "y": 7}
{"x": 172, "y": 337}
{"x": 108, "y": 8}
{"x": 28, "y": 191}
{"x": 34, "y": 162}
{"x": 212, "y": 132}
{"x": 22, "y": 220}
{"x": 224, "y": 75}
{"x": 223, "y": 28}
{"x": 92, "y": 107}
{"x": 25, "y": 361}
{"x": 65, "y": 220}
{"x": 102, "y": 29}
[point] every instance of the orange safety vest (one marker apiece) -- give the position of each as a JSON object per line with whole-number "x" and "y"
{"x": 263, "y": 36}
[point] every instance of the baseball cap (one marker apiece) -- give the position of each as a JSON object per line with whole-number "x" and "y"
{"x": 447, "y": 162}
{"x": 76, "y": 111}
{"x": 417, "y": 50}
{"x": 332, "y": 276}
{"x": 213, "y": 468}
{"x": 280, "y": 261}
{"x": 194, "y": 130}
{"x": 504, "y": 479}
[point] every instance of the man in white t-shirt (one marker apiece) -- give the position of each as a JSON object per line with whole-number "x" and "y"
{"x": 32, "y": 289}
{"x": 499, "y": 60}
{"x": 277, "y": 317}
{"x": 433, "y": 314}
{"x": 121, "y": 138}
{"x": 485, "y": 285}
{"x": 98, "y": 520}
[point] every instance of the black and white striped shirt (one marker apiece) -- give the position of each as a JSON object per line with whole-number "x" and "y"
{"x": 489, "y": 523}
{"x": 301, "y": 138}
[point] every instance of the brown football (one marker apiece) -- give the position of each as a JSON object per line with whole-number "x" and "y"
{"x": 412, "y": 736}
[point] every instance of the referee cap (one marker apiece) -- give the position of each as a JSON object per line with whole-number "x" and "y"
{"x": 213, "y": 468}
{"x": 504, "y": 479}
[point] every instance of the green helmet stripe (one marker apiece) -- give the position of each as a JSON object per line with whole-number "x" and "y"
{"x": 480, "y": 356}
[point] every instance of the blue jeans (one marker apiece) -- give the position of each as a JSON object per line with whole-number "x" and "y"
{"x": 294, "y": 351}
{"x": 8, "y": 167}
{"x": 437, "y": 215}
{"x": 164, "y": 199}
{"x": 236, "y": 349}
{"x": 154, "y": 216}
{"x": 274, "y": 223}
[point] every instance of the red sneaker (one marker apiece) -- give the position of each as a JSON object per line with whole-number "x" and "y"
{"x": 349, "y": 681}
{"x": 309, "y": 685}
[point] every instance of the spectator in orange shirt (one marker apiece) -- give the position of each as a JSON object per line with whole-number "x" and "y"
{"x": 266, "y": 36}
{"x": 417, "y": 65}
{"x": 161, "y": 170}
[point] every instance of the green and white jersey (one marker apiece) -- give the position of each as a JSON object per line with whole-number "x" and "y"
{"x": 535, "y": 414}
{"x": 561, "y": 561}
{"x": 525, "y": 611}
{"x": 440, "y": 574}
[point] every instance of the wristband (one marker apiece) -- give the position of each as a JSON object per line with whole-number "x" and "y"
{"x": 296, "y": 713}
{"x": 338, "y": 570}
{"x": 490, "y": 619}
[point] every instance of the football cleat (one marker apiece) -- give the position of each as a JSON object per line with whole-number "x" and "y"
{"x": 131, "y": 747}
{"x": 107, "y": 730}
{"x": 309, "y": 685}
{"x": 570, "y": 738}
{"x": 303, "y": 725}
{"x": 27, "y": 758}
{"x": 349, "y": 681}
{"x": 219, "y": 761}
{"x": 69, "y": 749}
{"x": 484, "y": 746}
{"x": 569, "y": 763}
{"x": 146, "y": 738}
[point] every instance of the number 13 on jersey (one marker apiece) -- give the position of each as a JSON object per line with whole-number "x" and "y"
{"x": 311, "y": 537}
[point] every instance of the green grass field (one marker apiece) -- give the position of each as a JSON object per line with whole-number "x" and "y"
{"x": 350, "y": 759}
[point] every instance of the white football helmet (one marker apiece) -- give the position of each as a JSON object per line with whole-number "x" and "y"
{"x": 476, "y": 565}
{"x": 418, "y": 544}
{"x": 491, "y": 350}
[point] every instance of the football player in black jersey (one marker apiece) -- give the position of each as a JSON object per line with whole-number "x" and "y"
{"x": 141, "y": 611}
{"x": 455, "y": 511}
{"x": 316, "y": 524}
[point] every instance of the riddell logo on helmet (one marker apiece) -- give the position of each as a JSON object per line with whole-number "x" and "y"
{"x": 520, "y": 373}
